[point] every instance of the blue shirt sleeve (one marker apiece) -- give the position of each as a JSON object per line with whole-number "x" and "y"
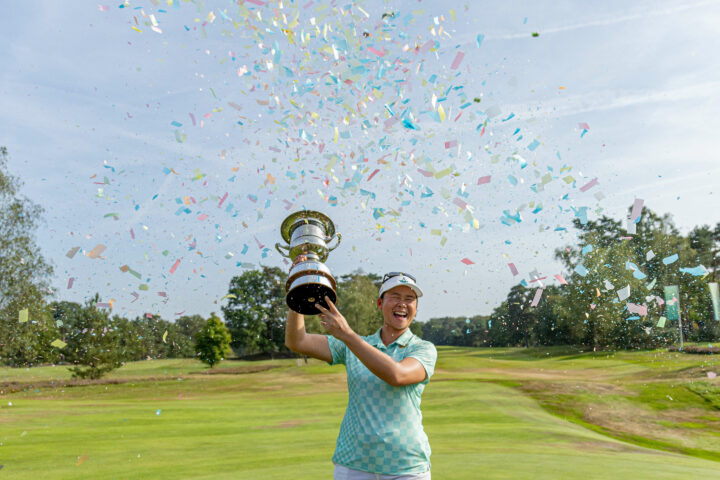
{"x": 337, "y": 350}
{"x": 424, "y": 352}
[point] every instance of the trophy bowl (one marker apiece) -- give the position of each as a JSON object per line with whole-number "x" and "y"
{"x": 307, "y": 290}
{"x": 308, "y": 233}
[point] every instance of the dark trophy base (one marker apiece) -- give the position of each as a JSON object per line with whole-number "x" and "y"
{"x": 302, "y": 298}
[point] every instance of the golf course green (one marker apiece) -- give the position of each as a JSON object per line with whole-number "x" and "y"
{"x": 489, "y": 414}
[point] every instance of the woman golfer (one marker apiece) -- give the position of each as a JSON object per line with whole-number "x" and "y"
{"x": 381, "y": 435}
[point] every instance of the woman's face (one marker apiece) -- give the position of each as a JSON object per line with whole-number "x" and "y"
{"x": 398, "y": 307}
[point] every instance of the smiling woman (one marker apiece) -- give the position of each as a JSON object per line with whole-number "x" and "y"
{"x": 381, "y": 435}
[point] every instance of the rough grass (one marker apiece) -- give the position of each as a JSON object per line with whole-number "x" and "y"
{"x": 489, "y": 413}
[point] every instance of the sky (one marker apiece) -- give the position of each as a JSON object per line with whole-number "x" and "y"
{"x": 444, "y": 139}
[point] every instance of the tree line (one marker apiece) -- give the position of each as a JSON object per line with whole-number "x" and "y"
{"x": 610, "y": 296}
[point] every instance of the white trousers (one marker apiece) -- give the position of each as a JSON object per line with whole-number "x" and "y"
{"x": 344, "y": 473}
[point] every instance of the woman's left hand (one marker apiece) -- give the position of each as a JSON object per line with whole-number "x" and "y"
{"x": 333, "y": 321}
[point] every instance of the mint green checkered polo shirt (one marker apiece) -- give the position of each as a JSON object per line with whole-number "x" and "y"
{"x": 382, "y": 429}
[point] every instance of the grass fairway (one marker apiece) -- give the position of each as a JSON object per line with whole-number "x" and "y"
{"x": 489, "y": 413}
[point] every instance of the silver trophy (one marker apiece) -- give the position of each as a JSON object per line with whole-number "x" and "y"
{"x": 308, "y": 234}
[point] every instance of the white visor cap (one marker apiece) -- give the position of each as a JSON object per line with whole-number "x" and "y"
{"x": 399, "y": 281}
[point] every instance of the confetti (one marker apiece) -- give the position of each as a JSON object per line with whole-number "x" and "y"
{"x": 670, "y": 259}
{"x": 96, "y": 251}
{"x": 81, "y": 460}
{"x": 483, "y": 180}
{"x": 57, "y": 343}
{"x": 467, "y": 261}
{"x": 175, "y": 265}
{"x": 458, "y": 60}
{"x": 536, "y": 298}
{"x": 164, "y": 336}
{"x": 513, "y": 270}
{"x": 589, "y": 185}
{"x": 560, "y": 279}
{"x": 624, "y": 293}
{"x": 23, "y": 315}
{"x": 71, "y": 253}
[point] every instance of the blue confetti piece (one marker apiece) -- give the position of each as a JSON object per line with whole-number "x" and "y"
{"x": 176, "y": 124}
{"x": 698, "y": 271}
{"x": 533, "y": 145}
{"x": 581, "y": 270}
{"x": 479, "y": 39}
{"x": 587, "y": 249}
{"x": 670, "y": 259}
{"x": 245, "y": 249}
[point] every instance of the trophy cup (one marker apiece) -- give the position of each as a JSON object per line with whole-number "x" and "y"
{"x": 308, "y": 233}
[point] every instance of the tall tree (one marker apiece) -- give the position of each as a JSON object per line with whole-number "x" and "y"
{"x": 94, "y": 343}
{"x": 255, "y": 312}
{"x": 213, "y": 341}
{"x": 24, "y": 276}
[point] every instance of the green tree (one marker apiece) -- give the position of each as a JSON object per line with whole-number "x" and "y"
{"x": 608, "y": 260}
{"x": 187, "y": 328}
{"x": 357, "y": 300}
{"x": 93, "y": 343}
{"x": 212, "y": 343}
{"x": 256, "y": 311}
{"x": 24, "y": 277}
{"x": 706, "y": 242}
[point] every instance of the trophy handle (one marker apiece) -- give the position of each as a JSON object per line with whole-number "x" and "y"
{"x": 278, "y": 247}
{"x": 339, "y": 237}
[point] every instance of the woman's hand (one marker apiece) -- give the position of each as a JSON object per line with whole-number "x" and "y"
{"x": 333, "y": 321}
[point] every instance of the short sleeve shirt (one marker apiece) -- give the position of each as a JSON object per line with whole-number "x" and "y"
{"x": 382, "y": 429}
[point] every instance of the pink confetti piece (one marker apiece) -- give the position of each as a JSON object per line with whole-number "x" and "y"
{"x": 584, "y": 126}
{"x": 103, "y": 8}
{"x": 425, "y": 173}
{"x": 483, "y": 180}
{"x": 132, "y": 234}
{"x": 427, "y": 46}
{"x": 451, "y": 144}
{"x": 376, "y": 51}
{"x": 134, "y": 295}
{"x": 711, "y": 374}
{"x": 192, "y": 117}
{"x": 71, "y": 280}
{"x": 538, "y": 279}
{"x": 102, "y": 305}
{"x": 175, "y": 265}
{"x": 179, "y": 313}
{"x": 513, "y": 269}
{"x": 162, "y": 294}
{"x": 536, "y": 298}
{"x": 202, "y": 217}
{"x": 639, "y": 309}
{"x": 593, "y": 306}
{"x": 460, "y": 203}
{"x": 561, "y": 279}
{"x": 222, "y": 200}
{"x": 260, "y": 245}
{"x": 458, "y": 60}
{"x": 636, "y": 209}
{"x": 373, "y": 174}
{"x": 256, "y": 2}
{"x": 467, "y": 261}
{"x": 589, "y": 185}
